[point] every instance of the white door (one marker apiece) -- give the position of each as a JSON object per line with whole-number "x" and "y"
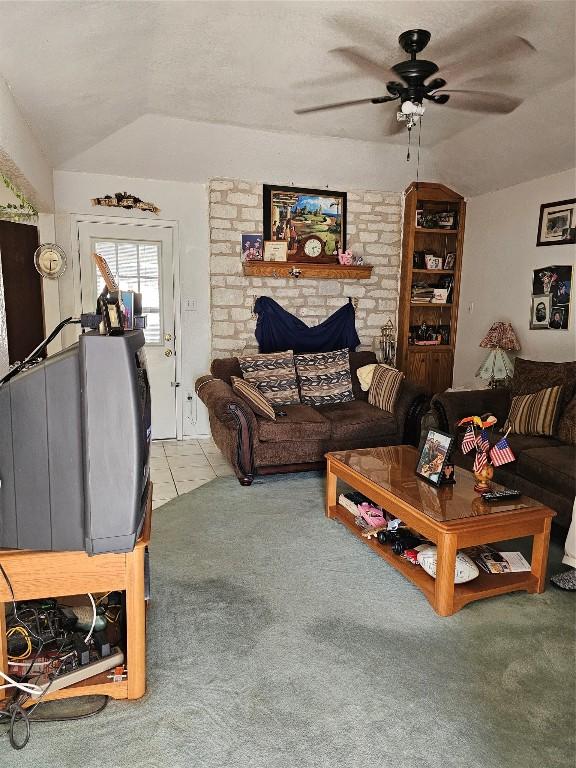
{"x": 140, "y": 258}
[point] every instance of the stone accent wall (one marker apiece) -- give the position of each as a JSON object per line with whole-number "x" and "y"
{"x": 373, "y": 230}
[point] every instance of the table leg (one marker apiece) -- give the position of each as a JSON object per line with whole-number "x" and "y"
{"x": 539, "y": 558}
{"x": 445, "y": 567}
{"x": 330, "y": 488}
{"x": 135, "y": 623}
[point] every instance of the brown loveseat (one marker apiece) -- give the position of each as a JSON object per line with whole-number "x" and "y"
{"x": 545, "y": 467}
{"x": 299, "y": 440}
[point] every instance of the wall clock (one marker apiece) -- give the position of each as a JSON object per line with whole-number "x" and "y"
{"x": 50, "y": 260}
{"x": 311, "y": 250}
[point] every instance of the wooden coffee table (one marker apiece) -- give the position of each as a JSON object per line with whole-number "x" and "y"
{"x": 452, "y": 517}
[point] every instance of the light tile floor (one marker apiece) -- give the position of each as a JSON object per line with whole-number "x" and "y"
{"x": 179, "y": 466}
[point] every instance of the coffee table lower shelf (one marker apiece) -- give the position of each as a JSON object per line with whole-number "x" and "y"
{"x": 485, "y": 585}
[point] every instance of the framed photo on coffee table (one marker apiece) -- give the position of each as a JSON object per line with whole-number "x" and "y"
{"x": 433, "y": 456}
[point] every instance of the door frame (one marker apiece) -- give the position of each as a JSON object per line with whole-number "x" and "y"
{"x": 168, "y": 224}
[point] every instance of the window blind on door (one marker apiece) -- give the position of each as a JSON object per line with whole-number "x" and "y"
{"x": 136, "y": 267}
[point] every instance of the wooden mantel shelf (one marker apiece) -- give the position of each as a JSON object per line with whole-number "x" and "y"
{"x": 283, "y": 269}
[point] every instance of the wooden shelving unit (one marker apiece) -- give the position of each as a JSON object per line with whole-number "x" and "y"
{"x": 292, "y": 269}
{"x": 431, "y": 366}
{"x": 35, "y": 575}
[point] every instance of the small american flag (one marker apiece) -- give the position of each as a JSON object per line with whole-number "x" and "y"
{"x": 501, "y": 453}
{"x": 480, "y": 461}
{"x": 482, "y": 442}
{"x": 469, "y": 439}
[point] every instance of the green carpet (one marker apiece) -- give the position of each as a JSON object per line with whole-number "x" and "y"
{"x": 276, "y": 640}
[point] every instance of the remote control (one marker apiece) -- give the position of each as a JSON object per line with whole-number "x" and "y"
{"x": 507, "y": 493}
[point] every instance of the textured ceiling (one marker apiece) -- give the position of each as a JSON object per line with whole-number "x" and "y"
{"x": 81, "y": 71}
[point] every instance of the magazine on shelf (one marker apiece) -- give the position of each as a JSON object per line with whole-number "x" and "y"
{"x": 491, "y": 560}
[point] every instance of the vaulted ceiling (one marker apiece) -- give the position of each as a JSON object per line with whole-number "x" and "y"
{"x": 82, "y": 71}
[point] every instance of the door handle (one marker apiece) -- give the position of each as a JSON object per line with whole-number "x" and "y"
{"x": 168, "y": 337}
{"x": 168, "y": 353}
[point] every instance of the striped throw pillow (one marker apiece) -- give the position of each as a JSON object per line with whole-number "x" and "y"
{"x": 534, "y": 414}
{"x": 384, "y": 387}
{"x": 252, "y": 396}
{"x": 324, "y": 377}
{"x": 274, "y": 375}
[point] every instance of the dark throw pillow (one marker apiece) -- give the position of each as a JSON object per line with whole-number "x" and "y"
{"x": 274, "y": 375}
{"x": 324, "y": 377}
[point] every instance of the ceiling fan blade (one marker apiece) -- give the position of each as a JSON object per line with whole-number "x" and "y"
{"x": 476, "y": 36}
{"x": 480, "y": 101}
{"x": 487, "y": 58}
{"x": 366, "y": 63}
{"x": 337, "y": 105}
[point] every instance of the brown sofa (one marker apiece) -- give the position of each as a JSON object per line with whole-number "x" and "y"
{"x": 299, "y": 440}
{"x": 545, "y": 467}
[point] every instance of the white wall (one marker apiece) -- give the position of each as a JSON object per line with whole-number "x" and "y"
{"x": 184, "y": 204}
{"x": 21, "y": 158}
{"x": 161, "y": 147}
{"x": 500, "y": 253}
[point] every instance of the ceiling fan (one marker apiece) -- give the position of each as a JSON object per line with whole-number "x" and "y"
{"x": 414, "y": 85}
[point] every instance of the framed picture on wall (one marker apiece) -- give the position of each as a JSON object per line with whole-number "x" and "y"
{"x": 296, "y": 214}
{"x": 540, "y": 313}
{"x": 557, "y": 224}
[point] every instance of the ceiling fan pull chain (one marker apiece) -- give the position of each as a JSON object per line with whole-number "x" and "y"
{"x": 409, "y": 137}
{"x": 418, "y": 158}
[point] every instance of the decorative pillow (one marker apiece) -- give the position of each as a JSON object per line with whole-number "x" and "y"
{"x": 567, "y": 423}
{"x": 534, "y": 414}
{"x": 534, "y": 375}
{"x": 274, "y": 375}
{"x": 384, "y": 387}
{"x": 366, "y": 372}
{"x": 251, "y": 394}
{"x": 365, "y": 376}
{"x": 324, "y": 377}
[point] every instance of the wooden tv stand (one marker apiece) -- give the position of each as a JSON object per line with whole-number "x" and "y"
{"x": 35, "y": 575}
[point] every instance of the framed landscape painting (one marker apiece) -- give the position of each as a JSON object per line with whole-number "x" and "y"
{"x": 557, "y": 224}
{"x": 294, "y": 214}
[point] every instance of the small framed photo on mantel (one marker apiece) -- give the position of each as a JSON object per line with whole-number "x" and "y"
{"x": 251, "y": 249}
{"x": 275, "y": 250}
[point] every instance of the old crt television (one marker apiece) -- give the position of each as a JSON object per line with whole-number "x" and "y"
{"x": 74, "y": 448}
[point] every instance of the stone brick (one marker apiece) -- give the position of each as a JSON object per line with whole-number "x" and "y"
{"x": 359, "y": 208}
{"x": 368, "y": 237}
{"x": 224, "y": 234}
{"x": 215, "y": 197}
{"x": 244, "y": 226}
{"x": 223, "y": 211}
{"x": 242, "y": 198}
{"x": 216, "y": 248}
{"x": 373, "y": 197}
{"x": 227, "y": 297}
{"x": 251, "y": 213}
{"x": 390, "y": 237}
{"x": 221, "y": 184}
{"x": 225, "y": 265}
{"x": 328, "y": 287}
{"x": 353, "y": 289}
{"x": 221, "y": 328}
{"x": 369, "y": 217}
{"x": 220, "y": 314}
{"x": 380, "y": 249}
{"x": 240, "y": 314}
{"x": 383, "y": 226}
{"x": 224, "y": 346}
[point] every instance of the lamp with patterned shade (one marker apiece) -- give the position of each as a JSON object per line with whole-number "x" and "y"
{"x": 498, "y": 366}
